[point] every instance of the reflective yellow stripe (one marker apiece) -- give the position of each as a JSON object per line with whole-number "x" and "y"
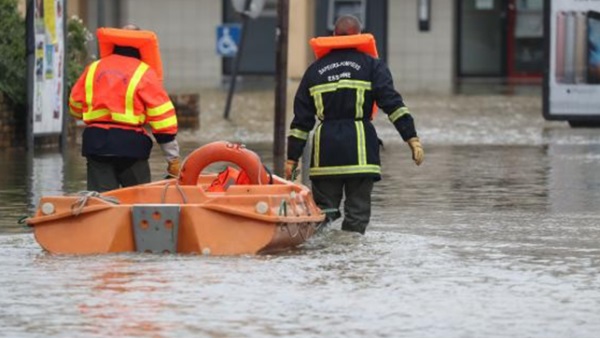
{"x": 319, "y": 105}
{"x": 166, "y": 123}
{"x": 333, "y": 86}
{"x": 95, "y": 114}
{"x": 163, "y": 108}
{"x": 348, "y": 169}
{"x": 360, "y": 100}
{"x": 297, "y": 133}
{"x": 74, "y": 113}
{"x": 360, "y": 86}
{"x": 75, "y": 104}
{"x": 124, "y": 118}
{"x": 398, "y": 113}
{"x": 316, "y": 157}
{"x": 361, "y": 146}
{"x": 129, "y": 117}
{"x": 328, "y": 87}
{"x": 89, "y": 84}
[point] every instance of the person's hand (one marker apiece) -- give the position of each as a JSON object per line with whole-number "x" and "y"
{"x": 290, "y": 167}
{"x": 173, "y": 167}
{"x": 417, "y": 150}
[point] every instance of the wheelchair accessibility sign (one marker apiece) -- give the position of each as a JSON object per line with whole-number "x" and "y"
{"x": 228, "y": 39}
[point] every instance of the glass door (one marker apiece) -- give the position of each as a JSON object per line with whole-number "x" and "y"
{"x": 525, "y": 38}
{"x": 481, "y": 38}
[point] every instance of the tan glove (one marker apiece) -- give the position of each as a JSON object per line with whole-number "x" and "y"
{"x": 417, "y": 150}
{"x": 173, "y": 167}
{"x": 290, "y": 168}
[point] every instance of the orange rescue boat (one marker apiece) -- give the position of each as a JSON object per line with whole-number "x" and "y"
{"x": 184, "y": 214}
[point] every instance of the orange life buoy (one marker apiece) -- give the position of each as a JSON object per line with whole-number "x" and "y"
{"x": 222, "y": 151}
{"x": 145, "y": 41}
{"x": 363, "y": 42}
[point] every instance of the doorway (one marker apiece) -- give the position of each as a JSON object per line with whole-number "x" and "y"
{"x": 500, "y": 39}
{"x": 481, "y": 38}
{"x": 525, "y": 39}
{"x": 372, "y": 14}
{"x": 258, "y": 56}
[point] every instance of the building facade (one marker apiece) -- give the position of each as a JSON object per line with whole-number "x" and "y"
{"x": 429, "y": 45}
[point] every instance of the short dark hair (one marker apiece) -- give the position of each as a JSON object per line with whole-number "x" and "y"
{"x": 347, "y": 25}
{"x": 131, "y": 26}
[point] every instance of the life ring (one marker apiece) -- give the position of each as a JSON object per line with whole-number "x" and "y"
{"x": 222, "y": 151}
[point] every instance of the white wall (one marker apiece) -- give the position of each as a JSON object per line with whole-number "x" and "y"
{"x": 421, "y": 61}
{"x": 186, "y": 32}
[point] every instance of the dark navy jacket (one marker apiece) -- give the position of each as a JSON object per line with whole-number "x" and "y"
{"x": 339, "y": 90}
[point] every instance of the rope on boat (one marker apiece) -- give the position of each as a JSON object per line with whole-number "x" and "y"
{"x": 78, "y": 206}
{"x": 327, "y": 220}
{"x": 329, "y": 211}
{"x": 287, "y": 227}
{"x": 298, "y": 230}
{"x": 282, "y": 208}
{"x": 178, "y": 187}
{"x": 305, "y": 206}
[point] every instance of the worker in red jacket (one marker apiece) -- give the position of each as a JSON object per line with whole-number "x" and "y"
{"x": 116, "y": 96}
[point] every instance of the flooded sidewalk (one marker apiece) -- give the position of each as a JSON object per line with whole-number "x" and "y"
{"x": 495, "y": 235}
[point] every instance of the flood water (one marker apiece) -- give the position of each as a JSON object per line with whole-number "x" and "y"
{"x": 497, "y": 234}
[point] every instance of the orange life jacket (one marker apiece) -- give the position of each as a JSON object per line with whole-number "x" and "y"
{"x": 228, "y": 177}
{"x": 122, "y": 92}
{"x": 145, "y": 41}
{"x": 365, "y": 43}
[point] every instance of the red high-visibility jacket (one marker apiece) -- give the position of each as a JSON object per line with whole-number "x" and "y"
{"x": 122, "y": 92}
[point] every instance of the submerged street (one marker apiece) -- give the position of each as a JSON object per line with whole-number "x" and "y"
{"x": 496, "y": 234}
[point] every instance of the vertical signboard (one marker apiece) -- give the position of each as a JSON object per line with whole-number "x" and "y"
{"x": 572, "y": 68}
{"x": 48, "y": 78}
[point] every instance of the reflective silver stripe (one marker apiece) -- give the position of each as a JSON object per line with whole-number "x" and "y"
{"x": 348, "y": 169}
{"x": 300, "y": 134}
{"x": 361, "y": 147}
{"x": 398, "y": 113}
{"x": 317, "y": 139}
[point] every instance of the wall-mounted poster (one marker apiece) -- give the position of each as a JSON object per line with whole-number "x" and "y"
{"x": 49, "y": 58}
{"x": 572, "y": 76}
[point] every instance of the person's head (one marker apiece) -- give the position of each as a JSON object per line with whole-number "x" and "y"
{"x": 347, "y": 25}
{"x": 131, "y": 26}
{"x": 125, "y": 50}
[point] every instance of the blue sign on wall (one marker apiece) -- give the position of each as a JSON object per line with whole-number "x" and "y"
{"x": 228, "y": 39}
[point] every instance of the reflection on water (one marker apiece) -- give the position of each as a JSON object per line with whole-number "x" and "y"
{"x": 495, "y": 235}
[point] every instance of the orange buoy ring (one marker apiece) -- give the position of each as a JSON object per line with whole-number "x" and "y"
{"x": 222, "y": 151}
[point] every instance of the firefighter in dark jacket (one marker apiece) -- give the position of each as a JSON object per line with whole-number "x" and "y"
{"x": 339, "y": 89}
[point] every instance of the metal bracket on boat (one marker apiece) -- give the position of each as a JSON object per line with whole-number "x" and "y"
{"x": 155, "y": 227}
